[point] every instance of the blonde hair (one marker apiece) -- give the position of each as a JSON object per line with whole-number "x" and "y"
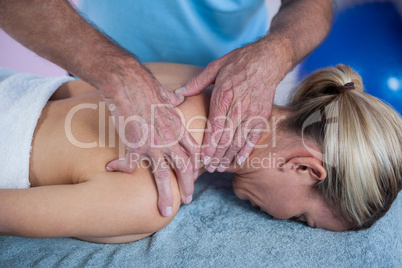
{"x": 361, "y": 140}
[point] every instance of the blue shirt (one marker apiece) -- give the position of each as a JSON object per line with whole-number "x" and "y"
{"x": 182, "y": 31}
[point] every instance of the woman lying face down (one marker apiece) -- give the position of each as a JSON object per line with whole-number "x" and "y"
{"x": 331, "y": 158}
{"x": 339, "y": 153}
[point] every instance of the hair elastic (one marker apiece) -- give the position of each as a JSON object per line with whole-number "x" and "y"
{"x": 347, "y": 86}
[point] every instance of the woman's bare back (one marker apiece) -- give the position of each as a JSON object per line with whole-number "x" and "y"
{"x": 75, "y": 136}
{"x": 72, "y": 194}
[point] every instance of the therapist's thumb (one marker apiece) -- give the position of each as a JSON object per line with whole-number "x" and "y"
{"x": 199, "y": 83}
{"x": 175, "y": 99}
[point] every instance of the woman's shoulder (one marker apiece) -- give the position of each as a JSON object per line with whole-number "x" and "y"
{"x": 173, "y": 75}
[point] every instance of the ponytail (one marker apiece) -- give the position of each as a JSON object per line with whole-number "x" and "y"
{"x": 361, "y": 141}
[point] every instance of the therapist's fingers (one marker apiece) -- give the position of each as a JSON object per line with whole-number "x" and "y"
{"x": 218, "y": 119}
{"x": 162, "y": 176}
{"x": 229, "y": 154}
{"x": 244, "y": 142}
{"x": 170, "y": 97}
{"x": 181, "y": 163}
{"x": 225, "y": 139}
{"x": 123, "y": 164}
{"x": 192, "y": 148}
{"x": 203, "y": 80}
{"x": 232, "y": 131}
{"x": 245, "y": 152}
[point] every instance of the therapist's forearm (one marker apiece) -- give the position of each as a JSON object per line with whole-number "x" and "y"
{"x": 302, "y": 25}
{"x": 55, "y": 31}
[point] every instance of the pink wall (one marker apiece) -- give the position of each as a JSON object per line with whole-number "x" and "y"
{"x": 16, "y": 57}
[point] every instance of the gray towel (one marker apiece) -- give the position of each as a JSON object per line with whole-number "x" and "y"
{"x": 219, "y": 230}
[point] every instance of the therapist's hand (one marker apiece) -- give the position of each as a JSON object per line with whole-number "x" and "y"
{"x": 151, "y": 129}
{"x": 245, "y": 83}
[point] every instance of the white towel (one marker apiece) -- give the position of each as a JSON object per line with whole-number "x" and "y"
{"x": 22, "y": 98}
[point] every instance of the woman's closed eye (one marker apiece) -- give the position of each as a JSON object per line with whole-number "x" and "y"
{"x": 296, "y": 218}
{"x": 302, "y": 218}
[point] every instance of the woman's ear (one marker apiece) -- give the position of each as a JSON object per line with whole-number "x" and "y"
{"x": 304, "y": 165}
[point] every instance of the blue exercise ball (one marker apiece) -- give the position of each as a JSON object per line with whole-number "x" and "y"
{"x": 368, "y": 38}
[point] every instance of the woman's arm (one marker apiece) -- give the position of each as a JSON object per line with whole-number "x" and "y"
{"x": 106, "y": 208}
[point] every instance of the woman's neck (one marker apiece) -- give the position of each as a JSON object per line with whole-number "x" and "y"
{"x": 268, "y": 142}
